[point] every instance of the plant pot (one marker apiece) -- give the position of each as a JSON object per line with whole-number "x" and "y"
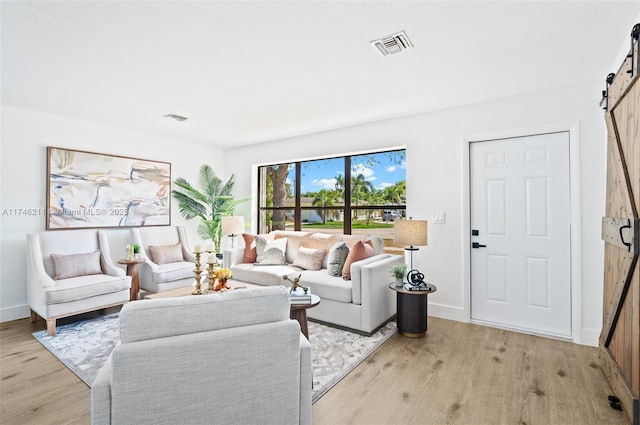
{"x": 399, "y": 281}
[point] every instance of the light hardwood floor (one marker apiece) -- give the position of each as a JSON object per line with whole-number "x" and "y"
{"x": 458, "y": 374}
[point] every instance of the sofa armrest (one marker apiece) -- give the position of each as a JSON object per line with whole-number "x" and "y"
{"x": 108, "y": 266}
{"x": 356, "y": 275}
{"x": 306, "y": 378}
{"x": 186, "y": 250}
{"x": 101, "y": 396}
{"x": 377, "y": 300}
{"x": 232, "y": 256}
{"x": 37, "y": 276}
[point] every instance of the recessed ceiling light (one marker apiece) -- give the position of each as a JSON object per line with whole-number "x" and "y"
{"x": 175, "y": 117}
{"x": 391, "y": 44}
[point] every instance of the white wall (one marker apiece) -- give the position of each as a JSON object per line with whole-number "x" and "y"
{"x": 25, "y": 135}
{"x": 435, "y": 172}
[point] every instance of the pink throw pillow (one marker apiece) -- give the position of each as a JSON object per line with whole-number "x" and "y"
{"x": 249, "y": 248}
{"x": 359, "y": 251}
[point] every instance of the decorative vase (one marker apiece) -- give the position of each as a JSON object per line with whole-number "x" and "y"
{"x": 136, "y": 255}
{"x": 399, "y": 281}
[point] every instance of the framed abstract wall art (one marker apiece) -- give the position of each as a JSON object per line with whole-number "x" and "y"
{"x": 88, "y": 190}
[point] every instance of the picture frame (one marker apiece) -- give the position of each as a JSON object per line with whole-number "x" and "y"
{"x": 96, "y": 190}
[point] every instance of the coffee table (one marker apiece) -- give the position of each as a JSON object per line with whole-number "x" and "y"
{"x": 188, "y": 290}
{"x": 298, "y": 311}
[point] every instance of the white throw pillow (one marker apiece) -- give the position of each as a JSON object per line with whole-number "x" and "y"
{"x": 270, "y": 252}
{"x": 309, "y": 258}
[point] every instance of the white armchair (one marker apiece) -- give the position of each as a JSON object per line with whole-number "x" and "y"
{"x": 174, "y": 266}
{"x": 228, "y": 358}
{"x": 71, "y": 272}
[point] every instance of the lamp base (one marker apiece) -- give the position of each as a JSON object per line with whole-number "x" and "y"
{"x": 411, "y": 248}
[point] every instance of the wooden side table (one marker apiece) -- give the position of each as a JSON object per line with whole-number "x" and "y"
{"x": 299, "y": 313}
{"x": 132, "y": 270}
{"x": 412, "y": 310}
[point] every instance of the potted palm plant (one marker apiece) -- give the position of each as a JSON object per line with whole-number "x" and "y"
{"x": 399, "y": 271}
{"x": 209, "y": 204}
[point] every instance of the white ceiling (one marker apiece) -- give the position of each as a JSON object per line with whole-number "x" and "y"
{"x": 246, "y": 72}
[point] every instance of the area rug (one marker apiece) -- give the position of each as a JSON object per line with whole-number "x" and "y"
{"x": 84, "y": 347}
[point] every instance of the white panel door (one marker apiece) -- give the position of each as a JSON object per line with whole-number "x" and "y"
{"x": 520, "y": 208}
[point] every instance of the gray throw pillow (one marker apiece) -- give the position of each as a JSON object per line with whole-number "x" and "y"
{"x": 336, "y": 258}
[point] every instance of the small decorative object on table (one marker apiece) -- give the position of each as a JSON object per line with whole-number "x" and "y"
{"x": 222, "y": 275}
{"x": 415, "y": 281}
{"x": 295, "y": 285}
{"x": 399, "y": 271}
{"x": 298, "y": 294}
{"x": 136, "y": 250}
{"x": 197, "y": 271}
{"x": 129, "y": 251}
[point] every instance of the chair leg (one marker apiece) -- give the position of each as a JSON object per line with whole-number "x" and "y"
{"x": 34, "y": 316}
{"x": 51, "y": 327}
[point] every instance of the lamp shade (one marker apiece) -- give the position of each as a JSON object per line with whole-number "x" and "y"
{"x": 232, "y": 225}
{"x": 410, "y": 232}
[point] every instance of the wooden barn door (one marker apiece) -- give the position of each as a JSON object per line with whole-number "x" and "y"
{"x": 620, "y": 338}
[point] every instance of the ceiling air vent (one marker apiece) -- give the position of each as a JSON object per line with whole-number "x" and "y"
{"x": 394, "y": 43}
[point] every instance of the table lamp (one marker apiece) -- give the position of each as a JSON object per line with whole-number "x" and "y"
{"x": 232, "y": 226}
{"x": 410, "y": 233}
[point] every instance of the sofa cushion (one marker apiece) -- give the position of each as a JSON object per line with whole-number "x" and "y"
{"x": 166, "y": 253}
{"x": 202, "y": 313}
{"x": 327, "y": 287}
{"x": 81, "y": 287}
{"x": 336, "y": 258}
{"x": 262, "y": 275}
{"x": 170, "y": 272}
{"x": 359, "y": 251}
{"x": 309, "y": 259}
{"x": 270, "y": 252}
{"x": 68, "y": 266}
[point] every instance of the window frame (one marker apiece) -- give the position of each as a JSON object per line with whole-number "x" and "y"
{"x": 297, "y": 208}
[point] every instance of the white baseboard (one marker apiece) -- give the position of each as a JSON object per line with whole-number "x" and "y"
{"x": 16, "y": 312}
{"x": 447, "y": 312}
{"x": 590, "y": 337}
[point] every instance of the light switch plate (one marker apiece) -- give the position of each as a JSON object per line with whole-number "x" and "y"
{"x": 438, "y": 218}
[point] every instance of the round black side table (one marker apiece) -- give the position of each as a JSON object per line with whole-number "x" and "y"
{"x": 412, "y": 310}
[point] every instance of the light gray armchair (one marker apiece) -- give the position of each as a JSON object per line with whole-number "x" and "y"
{"x": 173, "y": 267}
{"x": 71, "y": 272}
{"x": 228, "y": 358}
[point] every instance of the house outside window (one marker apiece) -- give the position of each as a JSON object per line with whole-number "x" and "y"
{"x": 353, "y": 194}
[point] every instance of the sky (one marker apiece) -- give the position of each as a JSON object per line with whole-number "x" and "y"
{"x": 381, "y": 170}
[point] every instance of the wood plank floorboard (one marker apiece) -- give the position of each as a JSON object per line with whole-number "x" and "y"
{"x": 462, "y": 373}
{"x": 459, "y": 373}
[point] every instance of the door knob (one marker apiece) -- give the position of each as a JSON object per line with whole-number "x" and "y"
{"x": 477, "y": 245}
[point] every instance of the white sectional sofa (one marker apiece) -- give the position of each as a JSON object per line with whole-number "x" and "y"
{"x": 363, "y": 303}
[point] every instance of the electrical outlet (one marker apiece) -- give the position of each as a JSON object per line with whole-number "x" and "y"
{"x": 438, "y": 218}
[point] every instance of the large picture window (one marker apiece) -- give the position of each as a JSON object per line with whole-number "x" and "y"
{"x": 357, "y": 194}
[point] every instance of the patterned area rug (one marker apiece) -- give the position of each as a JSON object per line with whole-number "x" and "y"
{"x": 84, "y": 347}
